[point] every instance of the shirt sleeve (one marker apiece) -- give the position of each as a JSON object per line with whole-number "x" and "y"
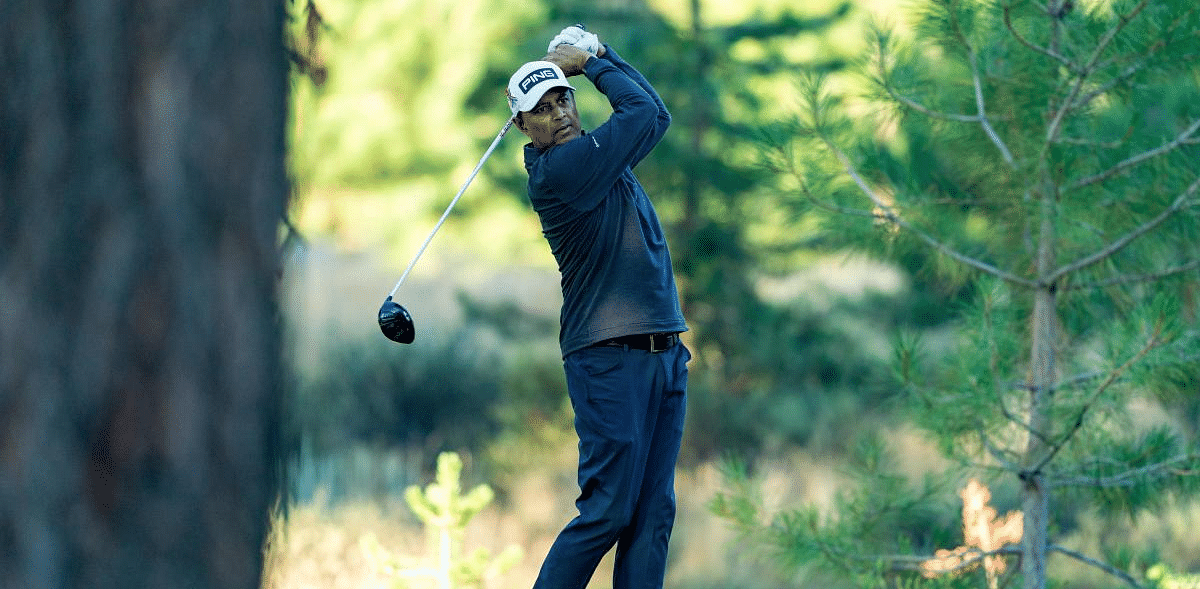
{"x": 664, "y": 116}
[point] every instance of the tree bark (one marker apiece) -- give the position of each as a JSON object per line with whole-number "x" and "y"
{"x": 141, "y": 184}
{"x": 1041, "y": 382}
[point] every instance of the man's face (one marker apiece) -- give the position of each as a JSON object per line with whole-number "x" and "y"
{"x": 553, "y": 120}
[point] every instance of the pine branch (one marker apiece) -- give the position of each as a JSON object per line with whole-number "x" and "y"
{"x": 1092, "y": 143}
{"x": 891, "y": 215}
{"x": 1114, "y": 571}
{"x": 997, "y": 453}
{"x": 832, "y": 207}
{"x": 1135, "y": 67}
{"x": 983, "y": 119}
{"x": 1122, "y": 22}
{"x": 835, "y": 208}
{"x": 980, "y": 118}
{"x": 1184, "y": 341}
{"x": 902, "y": 562}
{"x": 910, "y": 103}
{"x": 1056, "y": 122}
{"x": 1180, "y": 202}
{"x": 1087, "y": 70}
{"x": 1077, "y": 379}
{"x": 1115, "y": 374}
{"x": 1128, "y": 478}
{"x": 1125, "y": 74}
{"x": 1022, "y": 423}
{"x": 1136, "y": 278}
{"x": 1184, "y": 138}
{"x": 981, "y": 111}
{"x": 1037, "y": 48}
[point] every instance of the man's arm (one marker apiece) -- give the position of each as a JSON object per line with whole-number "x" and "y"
{"x": 582, "y": 171}
{"x": 664, "y": 116}
{"x": 622, "y": 95}
{"x": 589, "y": 42}
{"x": 573, "y": 61}
{"x": 611, "y": 55}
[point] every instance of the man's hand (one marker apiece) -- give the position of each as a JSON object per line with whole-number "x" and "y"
{"x": 568, "y": 58}
{"x": 579, "y": 38}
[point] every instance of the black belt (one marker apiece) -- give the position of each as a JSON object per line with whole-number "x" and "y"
{"x": 651, "y": 342}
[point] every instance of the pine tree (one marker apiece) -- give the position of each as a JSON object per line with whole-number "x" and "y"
{"x": 1045, "y": 155}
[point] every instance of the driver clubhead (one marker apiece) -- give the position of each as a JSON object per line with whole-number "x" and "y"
{"x": 395, "y": 322}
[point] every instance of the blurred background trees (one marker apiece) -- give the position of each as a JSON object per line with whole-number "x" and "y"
{"x": 829, "y": 318}
{"x": 744, "y": 253}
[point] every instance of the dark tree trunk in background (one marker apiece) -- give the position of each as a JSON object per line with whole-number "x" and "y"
{"x": 141, "y": 185}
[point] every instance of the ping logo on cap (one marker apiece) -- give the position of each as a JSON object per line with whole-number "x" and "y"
{"x": 537, "y": 76}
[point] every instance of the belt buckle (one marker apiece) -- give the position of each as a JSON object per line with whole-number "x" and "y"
{"x": 666, "y": 341}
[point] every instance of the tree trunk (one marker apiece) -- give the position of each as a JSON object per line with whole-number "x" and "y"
{"x": 141, "y": 184}
{"x": 1041, "y": 382}
{"x": 690, "y": 218}
{"x": 1042, "y": 369}
{"x": 699, "y": 121}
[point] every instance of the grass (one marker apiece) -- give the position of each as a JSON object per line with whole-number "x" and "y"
{"x": 317, "y": 542}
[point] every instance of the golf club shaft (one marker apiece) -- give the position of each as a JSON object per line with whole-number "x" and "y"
{"x": 446, "y": 214}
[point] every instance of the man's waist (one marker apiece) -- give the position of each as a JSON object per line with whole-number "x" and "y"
{"x": 575, "y": 334}
{"x": 651, "y": 342}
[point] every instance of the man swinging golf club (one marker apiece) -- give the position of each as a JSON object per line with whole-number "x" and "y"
{"x": 625, "y": 366}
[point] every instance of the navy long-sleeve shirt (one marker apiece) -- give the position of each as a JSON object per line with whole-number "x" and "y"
{"x": 602, "y": 229}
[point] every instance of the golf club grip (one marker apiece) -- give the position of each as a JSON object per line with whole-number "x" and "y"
{"x": 453, "y": 202}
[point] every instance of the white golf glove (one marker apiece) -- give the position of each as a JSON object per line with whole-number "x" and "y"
{"x": 578, "y": 38}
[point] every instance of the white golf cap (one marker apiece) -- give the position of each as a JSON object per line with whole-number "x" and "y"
{"x": 532, "y": 80}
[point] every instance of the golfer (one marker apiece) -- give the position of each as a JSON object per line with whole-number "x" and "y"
{"x": 625, "y": 366}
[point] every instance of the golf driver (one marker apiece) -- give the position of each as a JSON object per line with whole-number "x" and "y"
{"x": 394, "y": 320}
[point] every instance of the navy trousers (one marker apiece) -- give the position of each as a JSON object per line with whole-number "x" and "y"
{"x": 629, "y": 410}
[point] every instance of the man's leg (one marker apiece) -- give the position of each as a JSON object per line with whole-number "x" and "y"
{"x": 641, "y": 558}
{"x": 608, "y": 387}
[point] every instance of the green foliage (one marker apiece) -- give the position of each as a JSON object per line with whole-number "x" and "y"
{"x": 1162, "y": 577}
{"x": 406, "y": 91}
{"x": 446, "y": 512}
{"x": 390, "y": 110}
{"x": 967, "y": 394}
{"x": 437, "y": 395}
{"x": 812, "y": 378}
{"x": 1040, "y": 158}
{"x": 442, "y": 504}
{"x": 879, "y": 513}
{"x": 1139, "y": 473}
{"x": 740, "y": 504}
